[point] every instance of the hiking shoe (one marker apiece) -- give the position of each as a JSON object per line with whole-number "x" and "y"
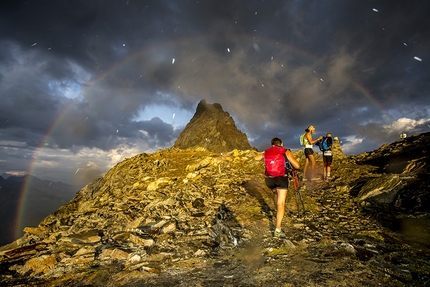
{"x": 278, "y": 234}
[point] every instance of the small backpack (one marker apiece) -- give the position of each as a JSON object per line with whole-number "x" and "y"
{"x": 302, "y": 139}
{"x": 274, "y": 159}
{"x": 325, "y": 144}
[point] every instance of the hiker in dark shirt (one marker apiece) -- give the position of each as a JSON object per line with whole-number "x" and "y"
{"x": 309, "y": 153}
{"x": 277, "y": 182}
{"x": 327, "y": 156}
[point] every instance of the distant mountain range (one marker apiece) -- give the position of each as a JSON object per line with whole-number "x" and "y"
{"x": 42, "y": 197}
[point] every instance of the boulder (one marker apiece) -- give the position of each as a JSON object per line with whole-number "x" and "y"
{"x": 382, "y": 190}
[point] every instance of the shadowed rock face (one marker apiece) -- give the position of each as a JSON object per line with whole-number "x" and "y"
{"x": 194, "y": 217}
{"x": 212, "y": 128}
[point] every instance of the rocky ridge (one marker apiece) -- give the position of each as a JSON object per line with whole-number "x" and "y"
{"x": 199, "y": 218}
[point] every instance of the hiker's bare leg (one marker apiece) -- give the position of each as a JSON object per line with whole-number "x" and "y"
{"x": 312, "y": 169}
{"x": 275, "y": 196}
{"x": 306, "y": 167}
{"x": 279, "y": 198}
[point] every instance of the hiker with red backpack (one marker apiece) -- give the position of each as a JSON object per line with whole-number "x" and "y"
{"x": 276, "y": 177}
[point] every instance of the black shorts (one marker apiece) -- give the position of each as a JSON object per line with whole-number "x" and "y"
{"x": 327, "y": 160}
{"x": 308, "y": 152}
{"x": 278, "y": 181}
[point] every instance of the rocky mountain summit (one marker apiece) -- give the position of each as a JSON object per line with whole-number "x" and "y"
{"x": 196, "y": 217}
{"x": 212, "y": 128}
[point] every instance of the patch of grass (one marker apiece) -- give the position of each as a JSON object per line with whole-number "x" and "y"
{"x": 253, "y": 210}
{"x": 374, "y": 234}
{"x": 283, "y": 250}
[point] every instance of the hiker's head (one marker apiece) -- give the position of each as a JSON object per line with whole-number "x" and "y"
{"x": 310, "y": 129}
{"x": 328, "y": 135}
{"x": 277, "y": 142}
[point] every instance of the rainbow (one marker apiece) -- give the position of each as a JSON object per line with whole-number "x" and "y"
{"x": 22, "y": 202}
{"x": 189, "y": 41}
{"x": 372, "y": 99}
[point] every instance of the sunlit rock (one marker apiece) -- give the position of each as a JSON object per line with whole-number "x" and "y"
{"x": 212, "y": 128}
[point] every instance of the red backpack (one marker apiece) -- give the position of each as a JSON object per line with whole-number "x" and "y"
{"x": 274, "y": 159}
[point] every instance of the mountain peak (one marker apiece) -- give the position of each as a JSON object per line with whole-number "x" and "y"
{"x": 212, "y": 128}
{"x": 203, "y": 107}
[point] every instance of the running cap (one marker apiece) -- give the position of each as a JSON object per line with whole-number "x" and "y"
{"x": 311, "y": 128}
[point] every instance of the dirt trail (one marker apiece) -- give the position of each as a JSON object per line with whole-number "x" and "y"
{"x": 300, "y": 260}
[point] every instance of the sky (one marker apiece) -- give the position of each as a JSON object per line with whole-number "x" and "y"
{"x": 86, "y": 84}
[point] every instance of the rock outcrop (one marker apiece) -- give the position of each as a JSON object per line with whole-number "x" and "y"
{"x": 194, "y": 217}
{"x": 405, "y": 167}
{"x": 337, "y": 150}
{"x": 212, "y": 128}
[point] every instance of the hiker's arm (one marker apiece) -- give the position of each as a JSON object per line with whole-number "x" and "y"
{"x": 310, "y": 140}
{"x": 259, "y": 156}
{"x": 292, "y": 159}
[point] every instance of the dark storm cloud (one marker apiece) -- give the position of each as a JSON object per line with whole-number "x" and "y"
{"x": 158, "y": 130}
{"x": 109, "y": 76}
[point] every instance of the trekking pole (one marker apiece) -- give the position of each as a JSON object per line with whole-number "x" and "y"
{"x": 301, "y": 199}
{"x": 297, "y": 191}
{"x": 297, "y": 201}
